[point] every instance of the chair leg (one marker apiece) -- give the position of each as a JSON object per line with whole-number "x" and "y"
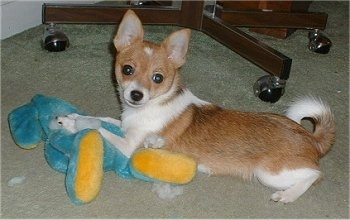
{"x": 253, "y": 50}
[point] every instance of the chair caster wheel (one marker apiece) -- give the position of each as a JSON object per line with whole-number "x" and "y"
{"x": 269, "y": 88}
{"x": 54, "y": 40}
{"x": 318, "y": 42}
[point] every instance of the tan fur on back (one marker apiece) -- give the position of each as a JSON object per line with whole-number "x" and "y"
{"x": 236, "y": 142}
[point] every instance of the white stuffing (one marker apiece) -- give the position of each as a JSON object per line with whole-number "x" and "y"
{"x": 17, "y": 180}
{"x": 167, "y": 191}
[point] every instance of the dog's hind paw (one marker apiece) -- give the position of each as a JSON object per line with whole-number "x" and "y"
{"x": 283, "y": 196}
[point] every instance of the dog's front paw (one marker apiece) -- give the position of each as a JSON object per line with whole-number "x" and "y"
{"x": 154, "y": 141}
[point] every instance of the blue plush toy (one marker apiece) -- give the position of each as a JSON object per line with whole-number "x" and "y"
{"x": 84, "y": 155}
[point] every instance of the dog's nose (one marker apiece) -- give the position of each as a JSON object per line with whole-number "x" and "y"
{"x": 136, "y": 95}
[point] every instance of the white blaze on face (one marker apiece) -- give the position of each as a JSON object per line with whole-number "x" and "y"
{"x": 148, "y": 51}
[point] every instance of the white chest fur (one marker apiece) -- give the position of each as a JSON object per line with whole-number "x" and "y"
{"x": 154, "y": 116}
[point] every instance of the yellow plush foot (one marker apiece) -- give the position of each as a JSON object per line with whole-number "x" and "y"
{"x": 165, "y": 166}
{"x": 89, "y": 167}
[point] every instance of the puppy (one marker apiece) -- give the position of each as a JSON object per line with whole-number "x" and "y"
{"x": 159, "y": 110}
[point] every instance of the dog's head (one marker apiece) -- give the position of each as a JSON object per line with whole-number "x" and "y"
{"x": 145, "y": 71}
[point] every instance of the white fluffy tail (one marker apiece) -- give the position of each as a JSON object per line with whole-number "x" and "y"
{"x": 322, "y": 116}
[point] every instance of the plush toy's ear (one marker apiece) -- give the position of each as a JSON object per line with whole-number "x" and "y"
{"x": 85, "y": 169}
{"x": 25, "y": 127}
{"x": 157, "y": 165}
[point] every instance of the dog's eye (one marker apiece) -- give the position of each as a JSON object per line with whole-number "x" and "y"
{"x": 128, "y": 70}
{"x": 157, "y": 78}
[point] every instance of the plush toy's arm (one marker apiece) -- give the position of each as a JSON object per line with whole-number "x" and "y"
{"x": 75, "y": 122}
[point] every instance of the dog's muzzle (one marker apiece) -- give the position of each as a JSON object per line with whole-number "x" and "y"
{"x": 136, "y": 98}
{"x": 135, "y": 95}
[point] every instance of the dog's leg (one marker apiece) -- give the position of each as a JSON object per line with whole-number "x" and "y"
{"x": 293, "y": 193}
{"x": 110, "y": 120}
{"x": 292, "y": 183}
{"x": 105, "y": 119}
{"x": 126, "y": 145}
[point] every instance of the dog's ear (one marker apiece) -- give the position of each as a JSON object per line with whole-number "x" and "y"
{"x": 176, "y": 45}
{"x": 130, "y": 30}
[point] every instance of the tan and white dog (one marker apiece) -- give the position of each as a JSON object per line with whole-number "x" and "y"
{"x": 159, "y": 111}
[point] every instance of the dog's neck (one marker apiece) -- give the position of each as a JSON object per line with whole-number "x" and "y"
{"x": 157, "y": 113}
